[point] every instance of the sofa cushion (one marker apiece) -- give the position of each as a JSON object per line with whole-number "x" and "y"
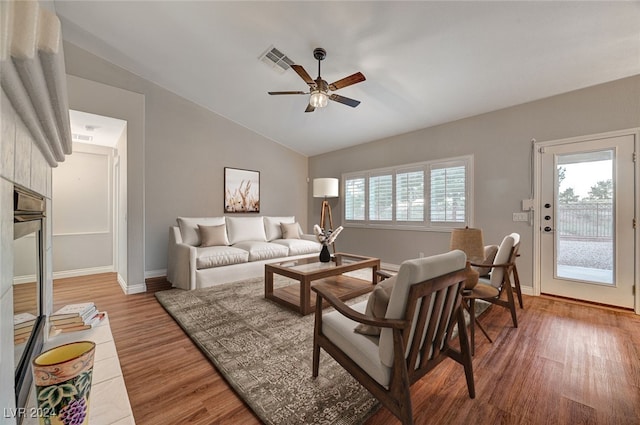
{"x": 213, "y": 235}
{"x": 360, "y": 348}
{"x": 290, "y": 230}
{"x": 272, "y": 226}
{"x": 216, "y": 256}
{"x": 299, "y": 246}
{"x": 241, "y": 229}
{"x": 262, "y": 250}
{"x": 189, "y": 227}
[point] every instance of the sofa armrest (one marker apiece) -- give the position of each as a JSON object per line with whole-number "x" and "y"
{"x": 181, "y": 261}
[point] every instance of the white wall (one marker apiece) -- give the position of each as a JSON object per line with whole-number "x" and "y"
{"x": 186, "y": 148}
{"x": 83, "y": 212}
{"x": 101, "y": 99}
{"x": 120, "y": 218}
{"x": 501, "y": 144}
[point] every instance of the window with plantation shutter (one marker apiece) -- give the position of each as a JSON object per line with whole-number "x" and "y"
{"x": 381, "y": 198}
{"x": 354, "y": 202}
{"x": 431, "y": 195}
{"x": 410, "y": 196}
{"x": 448, "y": 193}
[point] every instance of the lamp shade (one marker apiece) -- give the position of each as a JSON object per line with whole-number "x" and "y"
{"x": 470, "y": 241}
{"x": 325, "y": 188}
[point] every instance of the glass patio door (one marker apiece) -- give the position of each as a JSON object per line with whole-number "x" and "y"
{"x": 587, "y": 227}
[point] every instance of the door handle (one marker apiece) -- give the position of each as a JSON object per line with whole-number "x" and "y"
{"x": 548, "y": 229}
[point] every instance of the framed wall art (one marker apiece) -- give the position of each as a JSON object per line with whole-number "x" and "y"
{"x": 241, "y": 191}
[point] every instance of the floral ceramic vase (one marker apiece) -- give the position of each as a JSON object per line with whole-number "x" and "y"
{"x": 325, "y": 255}
{"x": 62, "y": 376}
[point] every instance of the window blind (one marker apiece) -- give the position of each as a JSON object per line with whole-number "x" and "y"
{"x": 381, "y": 198}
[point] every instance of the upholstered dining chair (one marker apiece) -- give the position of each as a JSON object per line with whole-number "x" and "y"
{"x": 424, "y": 306}
{"x": 498, "y": 282}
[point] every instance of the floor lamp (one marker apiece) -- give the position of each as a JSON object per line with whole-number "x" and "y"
{"x": 326, "y": 188}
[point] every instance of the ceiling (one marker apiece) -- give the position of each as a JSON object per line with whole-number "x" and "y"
{"x": 95, "y": 129}
{"x": 426, "y": 63}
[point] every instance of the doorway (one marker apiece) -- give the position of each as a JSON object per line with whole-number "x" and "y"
{"x": 587, "y": 198}
{"x": 89, "y": 227}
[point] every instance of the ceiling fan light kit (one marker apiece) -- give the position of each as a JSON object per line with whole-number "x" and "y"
{"x": 318, "y": 99}
{"x": 319, "y": 88}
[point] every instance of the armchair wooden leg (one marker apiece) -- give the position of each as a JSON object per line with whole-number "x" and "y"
{"x": 399, "y": 388}
{"x": 316, "y": 359}
{"x": 512, "y": 304}
{"x": 465, "y": 352}
{"x": 516, "y": 281}
{"x": 316, "y": 335}
{"x": 472, "y": 322}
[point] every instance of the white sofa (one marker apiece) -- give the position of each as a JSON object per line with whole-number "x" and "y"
{"x": 249, "y": 243}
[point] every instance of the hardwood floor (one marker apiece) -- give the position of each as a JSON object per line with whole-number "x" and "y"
{"x": 566, "y": 364}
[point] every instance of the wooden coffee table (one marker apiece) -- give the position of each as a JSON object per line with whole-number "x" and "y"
{"x": 299, "y": 297}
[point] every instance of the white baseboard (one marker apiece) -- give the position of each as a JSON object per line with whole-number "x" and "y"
{"x": 135, "y": 289}
{"x": 131, "y": 289}
{"x": 527, "y": 290}
{"x": 17, "y": 280}
{"x": 389, "y": 266}
{"x": 82, "y": 272}
{"x": 155, "y": 273}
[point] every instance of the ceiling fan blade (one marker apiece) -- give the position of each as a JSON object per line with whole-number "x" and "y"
{"x": 287, "y": 92}
{"x": 345, "y": 100}
{"x": 347, "y": 81}
{"x": 304, "y": 75}
{"x": 310, "y": 108}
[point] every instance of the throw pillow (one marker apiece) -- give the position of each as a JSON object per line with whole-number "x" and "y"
{"x": 189, "y": 228}
{"x": 272, "y": 226}
{"x": 490, "y": 252}
{"x": 290, "y": 230}
{"x": 377, "y": 306}
{"x": 213, "y": 235}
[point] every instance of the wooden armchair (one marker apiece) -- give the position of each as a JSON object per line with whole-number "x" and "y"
{"x": 424, "y": 306}
{"x": 491, "y": 289}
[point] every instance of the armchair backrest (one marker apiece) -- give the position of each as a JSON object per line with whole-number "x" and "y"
{"x": 414, "y": 272}
{"x": 505, "y": 252}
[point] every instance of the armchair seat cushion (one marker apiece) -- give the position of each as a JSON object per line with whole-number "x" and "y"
{"x": 216, "y": 256}
{"x": 299, "y": 246}
{"x": 259, "y": 251}
{"x": 360, "y": 348}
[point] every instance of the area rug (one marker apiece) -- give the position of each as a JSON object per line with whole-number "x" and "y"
{"x": 265, "y": 353}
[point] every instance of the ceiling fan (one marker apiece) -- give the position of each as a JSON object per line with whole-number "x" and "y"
{"x": 319, "y": 89}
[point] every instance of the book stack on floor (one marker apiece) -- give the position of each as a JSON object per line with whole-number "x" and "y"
{"x": 22, "y": 327}
{"x": 75, "y": 317}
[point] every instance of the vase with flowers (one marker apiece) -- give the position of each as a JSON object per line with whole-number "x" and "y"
{"x": 326, "y": 237}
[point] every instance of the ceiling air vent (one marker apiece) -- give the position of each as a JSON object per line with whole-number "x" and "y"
{"x": 81, "y": 137}
{"x": 276, "y": 59}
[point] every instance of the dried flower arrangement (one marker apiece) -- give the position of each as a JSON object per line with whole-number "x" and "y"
{"x": 328, "y": 236}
